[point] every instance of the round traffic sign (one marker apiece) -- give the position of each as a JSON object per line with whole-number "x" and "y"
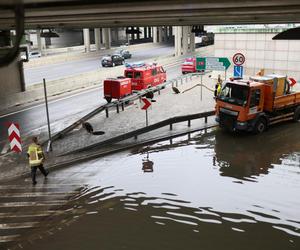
{"x": 238, "y": 59}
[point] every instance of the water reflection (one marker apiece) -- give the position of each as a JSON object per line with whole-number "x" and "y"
{"x": 245, "y": 156}
{"x": 147, "y": 164}
{"x": 192, "y": 200}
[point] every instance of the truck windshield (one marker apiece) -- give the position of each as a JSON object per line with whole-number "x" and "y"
{"x": 235, "y": 94}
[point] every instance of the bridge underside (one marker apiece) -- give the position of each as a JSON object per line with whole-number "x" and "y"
{"x": 92, "y": 13}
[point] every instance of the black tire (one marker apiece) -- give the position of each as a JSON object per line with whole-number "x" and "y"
{"x": 260, "y": 126}
{"x": 108, "y": 99}
{"x": 297, "y": 114}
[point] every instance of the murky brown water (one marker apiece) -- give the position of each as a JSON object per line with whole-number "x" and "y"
{"x": 214, "y": 191}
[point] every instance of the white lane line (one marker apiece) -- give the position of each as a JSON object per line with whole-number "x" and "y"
{"x": 39, "y": 214}
{"x": 32, "y": 203}
{"x": 5, "y": 149}
{"x": 37, "y": 194}
{"x": 18, "y": 225}
{"x": 50, "y": 102}
{"x": 46, "y": 186}
{"x": 8, "y": 238}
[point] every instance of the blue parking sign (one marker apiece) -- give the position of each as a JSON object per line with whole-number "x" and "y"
{"x": 238, "y": 71}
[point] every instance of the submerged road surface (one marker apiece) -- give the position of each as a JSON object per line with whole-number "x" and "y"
{"x": 204, "y": 191}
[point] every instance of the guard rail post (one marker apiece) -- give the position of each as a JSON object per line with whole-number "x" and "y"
{"x": 123, "y": 106}
{"x": 189, "y": 123}
{"x": 106, "y": 112}
{"x": 118, "y": 108}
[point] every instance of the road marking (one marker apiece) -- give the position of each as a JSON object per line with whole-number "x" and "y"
{"x": 32, "y": 203}
{"x": 8, "y": 238}
{"x": 5, "y": 149}
{"x": 18, "y": 225}
{"x": 50, "y": 102}
{"x": 37, "y": 194}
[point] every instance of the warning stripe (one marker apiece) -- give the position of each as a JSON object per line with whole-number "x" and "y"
{"x": 14, "y": 135}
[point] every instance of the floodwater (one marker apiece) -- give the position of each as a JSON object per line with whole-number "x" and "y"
{"x": 203, "y": 191}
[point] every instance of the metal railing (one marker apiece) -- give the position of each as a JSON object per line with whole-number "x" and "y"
{"x": 136, "y": 133}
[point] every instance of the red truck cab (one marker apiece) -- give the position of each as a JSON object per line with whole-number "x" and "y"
{"x": 144, "y": 75}
{"x": 189, "y": 65}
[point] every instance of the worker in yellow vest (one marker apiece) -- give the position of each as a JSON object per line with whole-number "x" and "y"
{"x": 218, "y": 86}
{"x": 36, "y": 159}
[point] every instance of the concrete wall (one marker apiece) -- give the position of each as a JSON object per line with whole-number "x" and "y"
{"x": 282, "y": 57}
{"x": 10, "y": 82}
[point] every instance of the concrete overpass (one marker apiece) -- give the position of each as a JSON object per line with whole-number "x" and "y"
{"x": 98, "y": 13}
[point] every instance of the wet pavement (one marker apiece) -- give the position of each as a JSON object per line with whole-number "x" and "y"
{"x": 208, "y": 190}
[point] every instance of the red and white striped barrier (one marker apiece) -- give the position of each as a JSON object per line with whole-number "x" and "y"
{"x": 15, "y": 137}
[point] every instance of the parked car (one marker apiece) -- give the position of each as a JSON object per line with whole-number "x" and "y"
{"x": 112, "y": 60}
{"x": 124, "y": 53}
{"x": 34, "y": 54}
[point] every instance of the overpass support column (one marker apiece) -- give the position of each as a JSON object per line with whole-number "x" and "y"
{"x": 160, "y": 34}
{"x": 185, "y": 39}
{"x": 145, "y": 32}
{"x": 178, "y": 38}
{"x": 192, "y": 41}
{"x": 106, "y": 38}
{"x": 97, "y": 39}
{"x": 86, "y": 40}
{"x": 155, "y": 38}
{"x": 40, "y": 42}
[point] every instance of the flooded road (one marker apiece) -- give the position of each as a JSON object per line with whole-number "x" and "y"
{"x": 203, "y": 191}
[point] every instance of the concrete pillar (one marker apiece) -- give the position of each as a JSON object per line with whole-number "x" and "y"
{"x": 138, "y": 33}
{"x": 97, "y": 39}
{"x": 145, "y": 32}
{"x": 149, "y": 32}
{"x": 160, "y": 34}
{"x": 155, "y": 38}
{"x": 178, "y": 38}
{"x": 106, "y": 38}
{"x": 86, "y": 40}
{"x": 40, "y": 41}
{"x": 185, "y": 40}
{"x": 170, "y": 32}
{"x": 165, "y": 34}
{"x": 192, "y": 42}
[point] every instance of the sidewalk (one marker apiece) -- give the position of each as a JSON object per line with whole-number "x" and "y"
{"x": 167, "y": 105}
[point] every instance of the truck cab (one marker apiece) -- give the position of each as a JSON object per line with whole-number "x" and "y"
{"x": 239, "y": 104}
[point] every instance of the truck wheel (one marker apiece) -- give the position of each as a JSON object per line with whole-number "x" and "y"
{"x": 297, "y": 115}
{"x": 108, "y": 99}
{"x": 260, "y": 126}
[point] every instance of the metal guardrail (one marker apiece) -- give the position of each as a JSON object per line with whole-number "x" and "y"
{"x": 136, "y": 133}
{"x": 122, "y": 103}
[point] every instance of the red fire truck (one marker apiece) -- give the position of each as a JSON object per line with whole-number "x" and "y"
{"x": 144, "y": 75}
{"x": 189, "y": 65}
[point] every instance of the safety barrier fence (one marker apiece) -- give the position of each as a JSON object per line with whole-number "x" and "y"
{"x": 124, "y": 101}
{"x": 134, "y": 134}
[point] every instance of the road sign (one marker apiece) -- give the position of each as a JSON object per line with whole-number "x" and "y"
{"x": 200, "y": 63}
{"x": 212, "y": 63}
{"x": 292, "y": 81}
{"x": 238, "y": 71}
{"x": 238, "y": 59}
{"x": 14, "y": 137}
{"x": 147, "y": 104}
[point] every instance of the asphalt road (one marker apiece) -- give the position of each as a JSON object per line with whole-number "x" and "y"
{"x": 65, "y": 69}
{"x": 62, "y": 111}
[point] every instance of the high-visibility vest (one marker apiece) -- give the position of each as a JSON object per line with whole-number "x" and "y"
{"x": 36, "y": 155}
{"x": 219, "y": 89}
